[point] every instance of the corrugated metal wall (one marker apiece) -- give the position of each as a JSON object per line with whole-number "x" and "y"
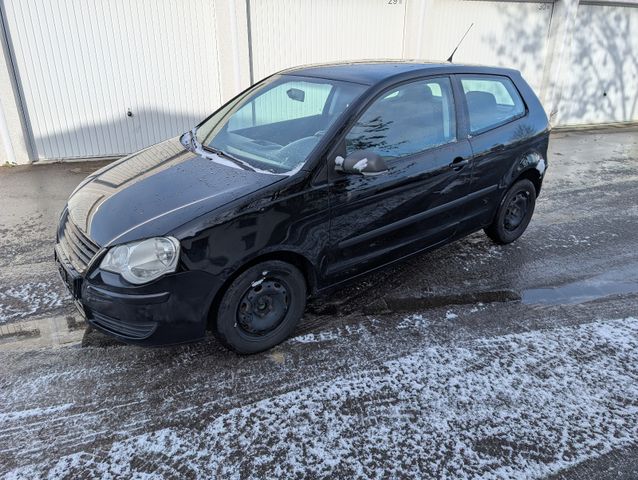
{"x": 507, "y": 34}
{"x": 602, "y": 73}
{"x": 83, "y": 64}
{"x": 286, "y": 33}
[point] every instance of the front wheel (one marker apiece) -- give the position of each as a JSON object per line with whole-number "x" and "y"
{"x": 261, "y": 307}
{"x": 514, "y": 213}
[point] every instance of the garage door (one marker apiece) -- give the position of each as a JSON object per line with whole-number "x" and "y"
{"x": 287, "y": 33}
{"x": 108, "y": 77}
{"x": 601, "y": 77}
{"x": 506, "y": 34}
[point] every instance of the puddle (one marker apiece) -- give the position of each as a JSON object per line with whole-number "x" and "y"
{"x": 407, "y": 304}
{"x": 611, "y": 283}
{"x": 41, "y": 333}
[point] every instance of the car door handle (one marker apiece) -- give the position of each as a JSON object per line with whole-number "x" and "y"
{"x": 458, "y": 163}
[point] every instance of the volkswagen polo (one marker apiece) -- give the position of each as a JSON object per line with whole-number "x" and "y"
{"x": 308, "y": 179}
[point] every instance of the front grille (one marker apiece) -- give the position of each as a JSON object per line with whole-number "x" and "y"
{"x": 77, "y": 247}
{"x": 133, "y": 331}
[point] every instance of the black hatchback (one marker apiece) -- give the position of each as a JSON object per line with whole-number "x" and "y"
{"x": 305, "y": 180}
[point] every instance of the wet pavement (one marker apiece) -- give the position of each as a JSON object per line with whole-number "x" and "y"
{"x": 473, "y": 361}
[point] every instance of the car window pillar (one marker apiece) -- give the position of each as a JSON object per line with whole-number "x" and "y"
{"x": 462, "y": 113}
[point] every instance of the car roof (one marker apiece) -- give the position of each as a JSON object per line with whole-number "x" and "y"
{"x": 371, "y": 72}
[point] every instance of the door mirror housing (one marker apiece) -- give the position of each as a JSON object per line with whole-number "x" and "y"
{"x": 361, "y": 162}
{"x": 296, "y": 94}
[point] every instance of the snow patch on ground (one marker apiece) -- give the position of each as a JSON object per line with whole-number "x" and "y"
{"x": 24, "y": 300}
{"x": 479, "y": 307}
{"x": 32, "y": 412}
{"x": 519, "y": 405}
{"x": 413, "y": 321}
{"x": 331, "y": 335}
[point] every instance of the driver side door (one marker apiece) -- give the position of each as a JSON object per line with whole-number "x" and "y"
{"x": 418, "y": 202}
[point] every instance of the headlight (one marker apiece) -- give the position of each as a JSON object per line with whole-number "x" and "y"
{"x": 144, "y": 261}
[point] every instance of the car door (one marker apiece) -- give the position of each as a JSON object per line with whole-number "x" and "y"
{"x": 496, "y": 124}
{"x": 417, "y": 202}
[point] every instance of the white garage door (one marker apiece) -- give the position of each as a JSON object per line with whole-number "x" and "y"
{"x": 83, "y": 65}
{"x": 505, "y": 34}
{"x": 601, "y": 83}
{"x": 287, "y": 33}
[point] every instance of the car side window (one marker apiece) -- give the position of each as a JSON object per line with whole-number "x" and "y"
{"x": 491, "y": 101}
{"x": 406, "y": 120}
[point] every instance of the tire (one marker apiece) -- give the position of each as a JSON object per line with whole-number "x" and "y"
{"x": 514, "y": 213}
{"x": 261, "y": 307}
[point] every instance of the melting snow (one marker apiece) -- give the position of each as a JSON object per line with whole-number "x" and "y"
{"x": 520, "y": 405}
{"x": 33, "y": 412}
{"x": 413, "y": 321}
{"x": 30, "y": 298}
{"x": 331, "y": 335}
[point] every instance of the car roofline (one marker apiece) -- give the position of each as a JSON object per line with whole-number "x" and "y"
{"x": 316, "y": 70}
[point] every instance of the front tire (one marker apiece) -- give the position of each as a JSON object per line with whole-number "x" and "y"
{"x": 261, "y": 307}
{"x": 514, "y": 213}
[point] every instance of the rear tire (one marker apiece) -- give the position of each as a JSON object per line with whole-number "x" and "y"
{"x": 514, "y": 213}
{"x": 261, "y": 307}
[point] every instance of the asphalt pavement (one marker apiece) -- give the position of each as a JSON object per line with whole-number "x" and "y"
{"x": 472, "y": 361}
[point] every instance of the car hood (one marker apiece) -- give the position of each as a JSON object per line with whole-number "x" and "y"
{"x": 155, "y": 191}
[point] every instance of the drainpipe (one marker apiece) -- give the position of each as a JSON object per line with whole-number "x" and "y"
{"x": 6, "y": 138}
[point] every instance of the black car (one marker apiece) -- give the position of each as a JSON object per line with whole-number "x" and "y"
{"x": 305, "y": 180}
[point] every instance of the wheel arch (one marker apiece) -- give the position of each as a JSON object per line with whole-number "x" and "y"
{"x": 533, "y": 176}
{"x": 531, "y": 166}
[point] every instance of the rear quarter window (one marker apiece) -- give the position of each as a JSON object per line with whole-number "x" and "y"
{"x": 491, "y": 101}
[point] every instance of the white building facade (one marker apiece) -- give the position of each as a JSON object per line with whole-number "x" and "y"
{"x": 105, "y": 78}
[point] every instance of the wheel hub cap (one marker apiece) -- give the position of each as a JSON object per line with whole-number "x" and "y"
{"x": 263, "y": 307}
{"x": 516, "y": 211}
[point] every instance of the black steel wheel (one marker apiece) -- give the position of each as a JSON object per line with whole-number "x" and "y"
{"x": 514, "y": 213}
{"x": 264, "y": 306}
{"x": 261, "y": 307}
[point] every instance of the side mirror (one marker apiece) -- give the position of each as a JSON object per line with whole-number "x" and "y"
{"x": 296, "y": 94}
{"x": 362, "y": 162}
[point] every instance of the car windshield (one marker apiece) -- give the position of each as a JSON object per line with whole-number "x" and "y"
{"x": 275, "y": 126}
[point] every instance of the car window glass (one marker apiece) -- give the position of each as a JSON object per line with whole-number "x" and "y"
{"x": 275, "y": 125}
{"x": 491, "y": 101}
{"x": 289, "y": 101}
{"x": 406, "y": 120}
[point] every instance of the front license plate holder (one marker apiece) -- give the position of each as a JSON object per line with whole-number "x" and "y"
{"x": 72, "y": 282}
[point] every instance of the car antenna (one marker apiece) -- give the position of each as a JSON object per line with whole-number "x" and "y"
{"x": 459, "y": 44}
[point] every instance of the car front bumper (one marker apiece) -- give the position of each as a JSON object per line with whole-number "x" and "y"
{"x": 170, "y": 310}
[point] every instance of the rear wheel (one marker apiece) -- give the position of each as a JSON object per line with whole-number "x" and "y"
{"x": 261, "y": 307}
{"x": 514, "y": 213}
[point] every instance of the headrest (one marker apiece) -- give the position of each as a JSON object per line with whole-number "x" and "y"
{"x": 418, "y": 93}
{"x": 480, "y": 100}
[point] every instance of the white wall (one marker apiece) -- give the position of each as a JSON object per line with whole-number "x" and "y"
{"x": 601, "y": 73}
{"x": 287, "y": 33}
{"x": 84, "y": 66}
{"x": 507, "y": 34}
{"x": 575, "y": 56}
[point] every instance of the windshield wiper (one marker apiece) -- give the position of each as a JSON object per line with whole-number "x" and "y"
{"x": 196, "y": 144}
{"x": 228, "y": 156}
